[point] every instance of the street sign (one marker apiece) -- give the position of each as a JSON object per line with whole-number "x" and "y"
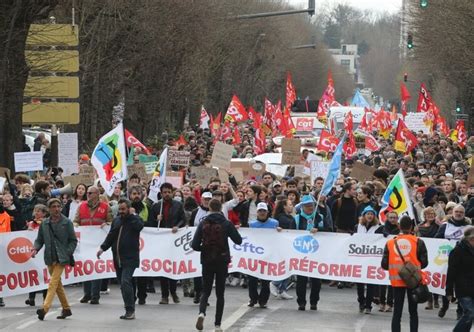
{"x": 52, "y": 87}
{"x": 51, "y": 113}
{"x": 52, "y": 35}
{"x": 55, "y": 61}
{"x": 462, "y": 116}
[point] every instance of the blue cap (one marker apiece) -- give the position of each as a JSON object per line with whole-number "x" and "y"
{"x": 368, "y": 209}
{"x": 307, "y": 199}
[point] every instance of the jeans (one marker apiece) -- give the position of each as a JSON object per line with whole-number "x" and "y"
{"x": 465, "y": 323}
{"x": 209, "y": 272}
{"x": 282, "y": 285}
{"x": 255, "y": 297}
{"x": 125, "y": 279}
{"x": 55, "y": 287}
{"x": 167, "y": 286}
{"x": 92, "y": 289}
{"x": 197, "y": 286}
{"x": 399, "y": 299}
{"x": 365, "y": 297}
{"x": 446, "y": 305}
{"x": 301, "y": 283}
{"x": 386, "y": 295}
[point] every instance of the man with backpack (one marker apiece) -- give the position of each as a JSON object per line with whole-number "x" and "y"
{"x": 211, "y": 239}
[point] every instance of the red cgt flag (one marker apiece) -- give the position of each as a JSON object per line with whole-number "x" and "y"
{"x": 290, "y": 91}
{"x": 132, "y": 141}
{"x": 236, "y": 111}
{"x": 348, "y": 122}
{"x": 371, "y": 143}
{"x": 424, "y": 99}
{"x": 349, "y": 147}
{"x": 236, "y": 138}
{"x": 405, "y": 140}
{"x": 462, "y": 134}
{"x": 442, "y": 126}
{"x": 327, "y": 142}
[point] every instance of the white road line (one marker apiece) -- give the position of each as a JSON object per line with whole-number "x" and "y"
{"x": 360, "y": 323}
{"x": 35, "y": 320}
{"x": 236, "y": 315}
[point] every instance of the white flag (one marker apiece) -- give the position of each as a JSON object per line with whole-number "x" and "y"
{"x": 204, "y": 120}
{"x": 159, "y": 176}
{"x": 109, "y": 159}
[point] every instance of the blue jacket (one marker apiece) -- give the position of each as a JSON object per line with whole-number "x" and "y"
{"x": 269, "y": 223}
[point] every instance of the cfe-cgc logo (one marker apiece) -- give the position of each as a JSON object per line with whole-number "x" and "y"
{"x": 306, "y": 244}
{"x": 19, "y": 250}
{"x": 184, "y": 241}
{"x": 443, "y": 254}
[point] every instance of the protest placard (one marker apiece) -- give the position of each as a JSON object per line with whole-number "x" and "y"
{"x": 415, "y": 122}
{"x": 28, "y": 161}
{"x": 138, "y": 169}
{"x": 5, "y": 172}
{"x": 307, "y": 165}
{"x": 362, "y": 172}
{"x": 150, "y": 166}
{"x": 319, "y": 169}
{"x": 175, "y": 178}
{"x": 142, "y": 158}
{"x": 203, "y": 174}
{"x": 178, "y": 158}
{"x": 221, "y": 155}
{"x": 74, "y": 180}
{"x": 88, "y": 174}
{"x": 290, "y": 148}
{"x": 67, "y": 153}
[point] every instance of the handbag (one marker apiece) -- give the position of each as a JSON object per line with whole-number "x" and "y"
{"x": 420, "y": 294}
{"x": 72, "y": 261}
{"x": 409, "y": 272}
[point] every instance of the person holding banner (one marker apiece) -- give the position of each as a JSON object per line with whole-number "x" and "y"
{"x": 57, "y": 235}
{"x": 167, "y": 213}
{"x": 124, "y": 238}
{"x": 413, "y": 250}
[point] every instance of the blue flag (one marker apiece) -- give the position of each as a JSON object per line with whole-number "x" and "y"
{"x": 334, "y": 169}
{"x": 358, "y": 100}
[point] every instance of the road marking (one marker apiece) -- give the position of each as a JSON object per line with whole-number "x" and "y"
{"x": 31, "y": 322}
{"x": 236, "y": 315}
{"x": 360, "y": 323}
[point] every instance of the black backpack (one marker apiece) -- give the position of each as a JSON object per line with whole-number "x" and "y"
{"x": 214, "y": 249}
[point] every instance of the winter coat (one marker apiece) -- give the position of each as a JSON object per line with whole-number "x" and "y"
{"x": 461, "y": 270}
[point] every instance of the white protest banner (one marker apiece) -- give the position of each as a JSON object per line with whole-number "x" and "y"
{"x": 319, "y": 169}
{"x": 414, "y": 122}
{"x": 28, "y": 161}
{"x": 68, "y": 152}
{"x": 264, "y": 253}
{"x": 178, "y": 158}
{"x": 221, "y": 155}
{"x": 307, "y": 164}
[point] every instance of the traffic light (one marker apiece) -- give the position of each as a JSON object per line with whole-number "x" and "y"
{"x": 458, "y": 106}
{"x": 423, "y": 4}
{"x": 410, "y": 41}
{"x": 405, "y": 77}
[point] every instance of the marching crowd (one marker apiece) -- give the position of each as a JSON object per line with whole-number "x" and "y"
{"x": 436, "y": 173}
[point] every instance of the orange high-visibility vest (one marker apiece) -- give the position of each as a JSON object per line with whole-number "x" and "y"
{"x": 408, "y": 245}
{"x": 5, "y": 223}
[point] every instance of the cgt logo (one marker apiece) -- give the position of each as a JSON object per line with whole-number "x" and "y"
{"x": 306, "y": 244}
{"x": 19, "y": 250}
{"x": 443, "y": 254}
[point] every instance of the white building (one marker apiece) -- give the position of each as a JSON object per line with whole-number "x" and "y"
{"x": 347, "y": 57}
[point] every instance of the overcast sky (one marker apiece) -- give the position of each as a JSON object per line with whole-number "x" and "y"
{"x": 377, "y": 5}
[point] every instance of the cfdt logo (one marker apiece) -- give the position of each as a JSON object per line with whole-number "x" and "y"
{"x": 19, "y": 250}
{"x": 443, "y": 254}
{"x": 306, "y": 244}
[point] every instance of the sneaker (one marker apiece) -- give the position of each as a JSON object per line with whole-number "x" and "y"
{"x": 301, "y": 308}
{"x": 200, "y": 322}
{"x": 382, "y": 308}
{"x": 141, "y": 301}
{"x": 367, "y": 311}
{"x": 429, "y": 306}
{"x": 175, "y": 298}
{"x": 340, "y": 285}
{"x": 85, "y": 299}
{"x": 30, "y": 302}
{"x": 128, "y": 316}
{"x": 285, "y": 296}
{"x": 41, "y": 313}
{"x": 106, "y": 292}
{"x": 235, "y": 282}
{"x": 218, "y": 328}
{"x": 94, "y": 301}
{"x": 314, "y": 307}
{"x": 164, "y": 300}
{"x": 64, "y": 313}
{"x": 388, "y": 308}
{"x": 273, "y": 289}
{"x": 251, "y": 304}
{"x": 442, "y": 312}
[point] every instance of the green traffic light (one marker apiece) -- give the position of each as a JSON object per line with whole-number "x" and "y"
{"x": 410, "y": 46}
{"x": 458, "y": 109}
{"x": 423, "y": 3}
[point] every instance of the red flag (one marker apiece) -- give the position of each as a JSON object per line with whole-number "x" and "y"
{"x": 363, "y": 125}
{"x": 290, "y": 91}
{"x": 349, "y": 147}
{"x": 236, "y": 111}
{"x": 327, "y": 99}
{"x": 252, "y": 114}
{"x": 462, "y": 134}
{"x": 393, "y": 113}
{"x": 132, "y": 141}
{"x": 181, "y": 141}
{"x": 371, "y": 143}
{"x": 269, "y": 115}
{"x": 226, "y": 132}
{"x": 383, "y": 123}
{"x": 279, "y": 122}
{"x": 404, "y": 94}
{"x": 424, "y": 99}
{"x": 236, "y": 139}
{"x": 442, "y": 126}
{"x": 429, "y": 119}
{"x": 348, "y": 122}
{"x": 290, "y": 126}
{"x": 258, "y": 121}
{"x": 215, "y": 124}
{"x": 327, "y": 142}
{"x": 405, "y": 140}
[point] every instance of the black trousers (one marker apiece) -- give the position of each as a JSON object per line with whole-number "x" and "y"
{"x": 386, "y": 295}
{"x": 209, "y": 272}
{"x": 301, "y": 283}
{"x": 255, "y": 297}
{"x": 167, "y": 286}
{"x": 399, "y": 299}
{"x": 197, "y": 286}
{"x": 141, "y": 283}
{"x": 365, "y": 295}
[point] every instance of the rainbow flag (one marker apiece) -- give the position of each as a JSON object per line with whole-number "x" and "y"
{"x": 110, "y": 160}
{"x": 396, "y": 198}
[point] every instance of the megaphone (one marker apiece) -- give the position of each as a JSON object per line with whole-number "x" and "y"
{"x": 66, "y": 190}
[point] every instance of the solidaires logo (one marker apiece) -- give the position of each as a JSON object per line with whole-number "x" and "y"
{"x": 443, "y": 254}
{"x": 306, "y": 244}
{"x": 19, "y": 250}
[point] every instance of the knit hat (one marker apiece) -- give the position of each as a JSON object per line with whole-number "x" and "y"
{"x": 307, "y": 199}
{"x": 429, "y": 194}
{"x": 367, "y": 210}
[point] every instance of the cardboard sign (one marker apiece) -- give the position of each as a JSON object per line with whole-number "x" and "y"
{"x": 319, "y": 169}
{"x": 68, "y": 152}
{"x": 74, "y": 180}
{"x": 4, "y": 170}
{"x": 86, "y": 169}
{"x": 221, "y": 155}
{"x": 203, "y": 174}
{"x": 175, "y": 178}
{"x": 28, "y": 161}
{"x": 362, "y": 172}
{"x": 138, "y": 169}
{"x": 290, "y": 148}
{"x": 178, "y": 158}
{"x": 88, "y": 174}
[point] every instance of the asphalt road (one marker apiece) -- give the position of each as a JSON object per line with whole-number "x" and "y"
{"x": 337, "y": 311}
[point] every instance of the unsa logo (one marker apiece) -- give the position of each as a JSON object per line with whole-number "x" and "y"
{"x": 306, "y": 244}
{"x": 405, "y": 247}
{"x": 443, "y": 254}
{"x": 19, "y": 250}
